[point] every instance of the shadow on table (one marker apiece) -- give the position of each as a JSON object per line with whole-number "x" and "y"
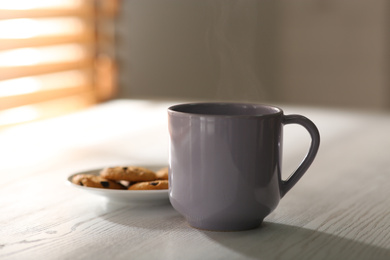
{"x": 148, "y": 216}
{"x": 278, "y": 241}
{"x": 270, "y": 241}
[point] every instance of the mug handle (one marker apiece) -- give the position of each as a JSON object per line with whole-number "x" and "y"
{"x": 286, "y": 185}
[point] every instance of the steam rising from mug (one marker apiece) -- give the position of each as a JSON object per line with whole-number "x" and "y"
{"x": 232, "y": 39}
{"x": 206, "y": 49}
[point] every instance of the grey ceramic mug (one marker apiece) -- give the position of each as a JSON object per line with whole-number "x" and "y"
{"x": 225, "y": 162}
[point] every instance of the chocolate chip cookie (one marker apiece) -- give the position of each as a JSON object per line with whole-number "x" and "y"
{"x": 93, "y": 181}
{"x": 162, "y": 174}
{"x": 129, "y": 173}
{"x": 150, "y": 185}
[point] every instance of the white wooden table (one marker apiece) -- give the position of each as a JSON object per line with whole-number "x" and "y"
{"x": 339, "y": 210}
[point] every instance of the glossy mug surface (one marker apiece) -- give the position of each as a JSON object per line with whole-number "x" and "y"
{"x": 225, "y": 162}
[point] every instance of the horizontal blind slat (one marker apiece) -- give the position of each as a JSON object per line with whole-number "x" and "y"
{"x": 24, "y": 71}
{"x": 7, "y": 44}
{"x": 35, "y": 13}
{"x": 41, "y": 96}
{"x": 46, "y": 109}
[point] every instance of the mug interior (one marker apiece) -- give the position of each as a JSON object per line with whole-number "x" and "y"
{"x": 226, "y": 109}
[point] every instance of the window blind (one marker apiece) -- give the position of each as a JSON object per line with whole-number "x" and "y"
{"x": 56, "y": 56}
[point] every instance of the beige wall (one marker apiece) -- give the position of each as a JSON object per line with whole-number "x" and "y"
{"x": 315, "y": 52}
{"x": 334, "y": 52}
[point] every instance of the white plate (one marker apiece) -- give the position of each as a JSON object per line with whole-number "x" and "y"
{"x": 126, "y": 196}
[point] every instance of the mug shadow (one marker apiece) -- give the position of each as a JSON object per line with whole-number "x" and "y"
{"x": 279, "y": 241}
{"x": 269, "y": 241}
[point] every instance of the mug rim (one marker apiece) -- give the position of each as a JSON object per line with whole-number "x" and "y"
{"x": 175, "y": 109}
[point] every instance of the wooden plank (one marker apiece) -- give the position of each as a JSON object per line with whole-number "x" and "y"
{"x": 339, "y": 210}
